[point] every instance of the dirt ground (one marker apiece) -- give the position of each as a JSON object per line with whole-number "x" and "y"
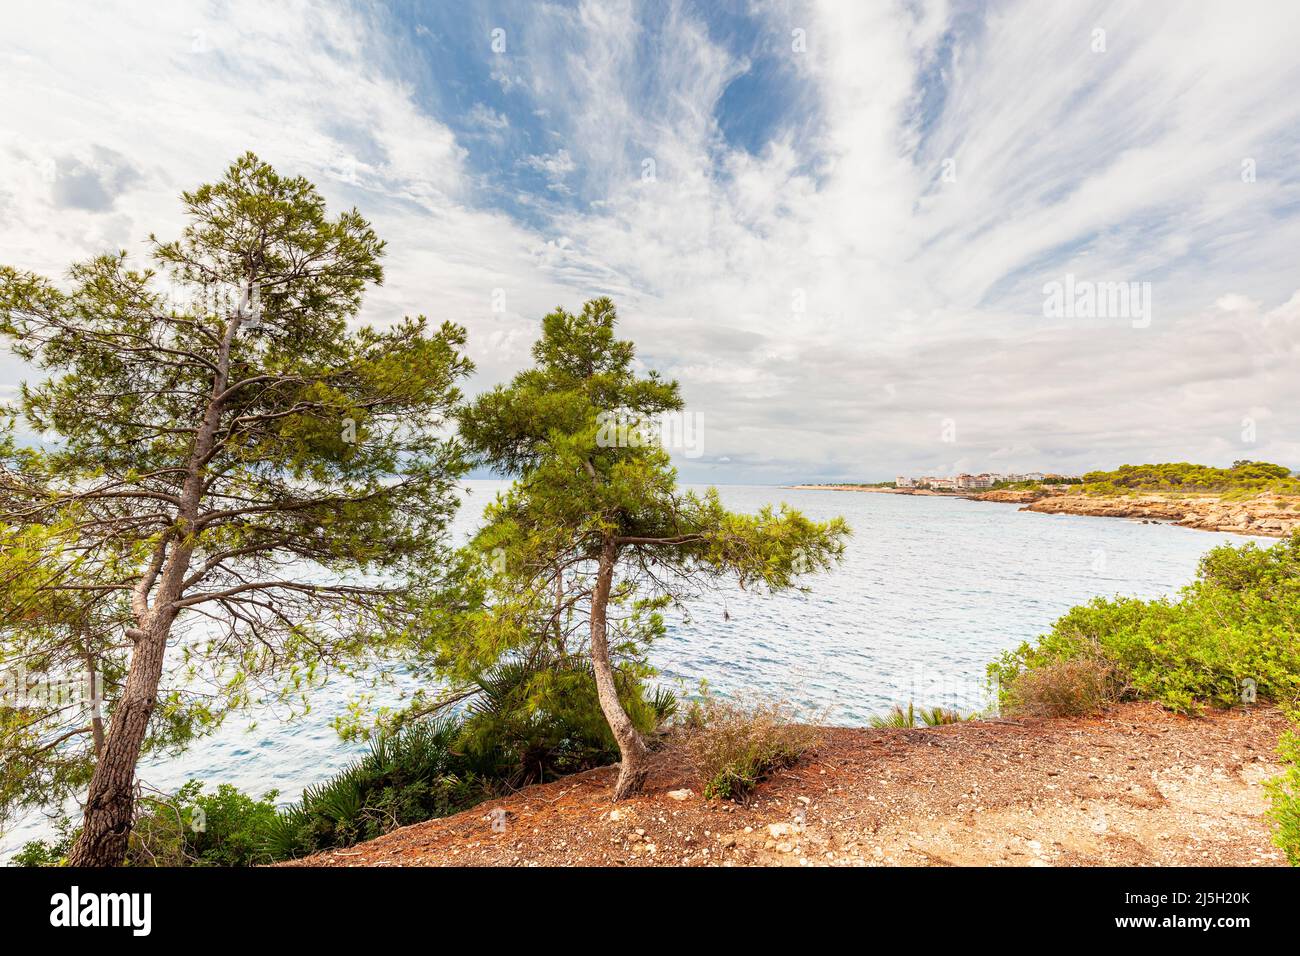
{"x": 1136, "y": 787}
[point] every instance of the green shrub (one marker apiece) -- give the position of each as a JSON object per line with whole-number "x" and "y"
{"x": 1284, "y": 796}
{"x": 1238, "y": 622}
{"x": 191, "y": 828}
{"x": 405, "y": 777}
{"x": 734, "y": 746}
{"x": 186, "y": 828}
{"x": 898, "y": 716}
{"x": 532, "y": 722}
{"x": 42, "y": 853}
{"x": 939, "y": 716}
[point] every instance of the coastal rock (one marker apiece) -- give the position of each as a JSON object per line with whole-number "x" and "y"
{"x": 1269, "y": 515}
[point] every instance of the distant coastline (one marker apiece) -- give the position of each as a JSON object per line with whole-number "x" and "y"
{"x": 1266, "y": 514}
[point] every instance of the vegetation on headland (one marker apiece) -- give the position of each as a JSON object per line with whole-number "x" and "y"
{"x": 1244, "y": 478}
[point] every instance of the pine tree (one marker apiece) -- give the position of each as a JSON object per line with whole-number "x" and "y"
{"x": 595, "y": 538}
{"x": 233, "y": 468}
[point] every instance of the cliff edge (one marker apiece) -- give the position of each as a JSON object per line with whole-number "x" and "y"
{"x": 1138, "y": 786}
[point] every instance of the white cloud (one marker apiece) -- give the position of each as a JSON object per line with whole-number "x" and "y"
{"x": 487, "y": 118}
{"x": 826, "y": 299}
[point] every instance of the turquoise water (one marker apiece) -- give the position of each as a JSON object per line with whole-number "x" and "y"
{"x": 931, "y": 589}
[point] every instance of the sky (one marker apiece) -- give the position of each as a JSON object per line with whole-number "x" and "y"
{"x": 846, "y": 228}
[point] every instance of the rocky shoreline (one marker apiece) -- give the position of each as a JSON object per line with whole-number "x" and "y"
{"x": 1269, "y": 515}
{"x": 1275, "y": 516}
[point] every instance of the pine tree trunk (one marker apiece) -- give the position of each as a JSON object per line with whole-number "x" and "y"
{"x": 106, "y": 829}
{"x": 632, "y": 748}
{"x": 107, "y": 824}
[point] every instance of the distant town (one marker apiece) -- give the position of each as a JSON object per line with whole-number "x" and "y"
{"x": 982, "y": 481}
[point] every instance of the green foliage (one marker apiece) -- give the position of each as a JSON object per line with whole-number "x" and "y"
{"x": 899, "y": 716}
{"x": 187, "y": 828}
{"x": 1284, "y": 798}
{"x": 48, "y": 853}
{"x": 1238, "y": 621}
{"x": 41, "y": 853}
{"x": 49, "y": 640}
{"x": 405, "y": 777}
{"x": 193, "y": 828}
{"x": 538, "y": 720}
{"x": 736, "y": 745}
{"x": 896, "y": 717}
{"x": 1244, "y": 477}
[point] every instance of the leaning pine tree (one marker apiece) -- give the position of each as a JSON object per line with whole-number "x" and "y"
{"x": 241, "y": 480}
{"x": 578, "y": 559}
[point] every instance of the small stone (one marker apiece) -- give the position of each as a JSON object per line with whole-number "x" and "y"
{"x": 683, "y": 794}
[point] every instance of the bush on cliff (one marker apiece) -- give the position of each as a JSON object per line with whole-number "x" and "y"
{"x": 1232, "y": 634}
{"x": 735, "y": 745}
{"x": 1284, "y": 795}
{"x": 1074, "y": 687}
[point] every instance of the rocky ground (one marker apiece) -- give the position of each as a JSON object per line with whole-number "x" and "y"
{"x": 1138, "y": 786}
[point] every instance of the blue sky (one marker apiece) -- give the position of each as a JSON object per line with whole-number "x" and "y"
{"x": 833, "y": 222}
